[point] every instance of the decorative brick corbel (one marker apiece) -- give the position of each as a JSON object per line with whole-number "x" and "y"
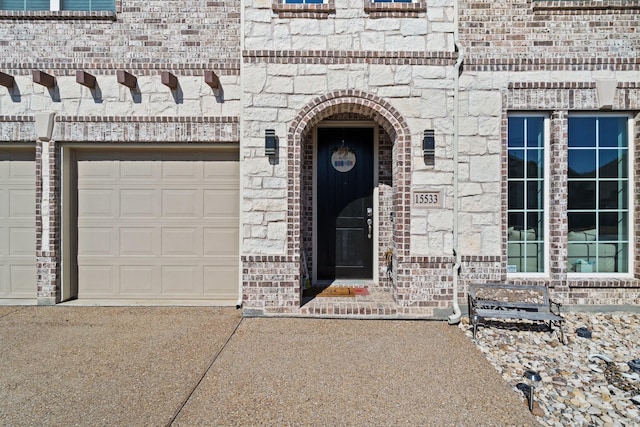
{"x": 44, "y": 79}
{"x": 168, "y": 79}
{"x": 212, "y": 79}
{"x": 127, "y": 79}
{"x": 85, "y": 79}
{"x": 7, "y": 80}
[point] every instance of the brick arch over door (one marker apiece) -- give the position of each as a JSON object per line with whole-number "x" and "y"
{"x": 383, "y": 114}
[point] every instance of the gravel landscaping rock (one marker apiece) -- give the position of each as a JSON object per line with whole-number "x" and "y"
{"x": 579, "y": 386}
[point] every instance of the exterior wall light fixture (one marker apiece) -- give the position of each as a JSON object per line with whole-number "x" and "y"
{"x": 270, "y": 142}
{"x": 429, "y": 147}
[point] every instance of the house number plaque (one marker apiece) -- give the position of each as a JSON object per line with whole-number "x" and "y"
{"x": 428, "y": 199}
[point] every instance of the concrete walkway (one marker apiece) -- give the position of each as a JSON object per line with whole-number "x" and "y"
{"x": 197, "y": 366}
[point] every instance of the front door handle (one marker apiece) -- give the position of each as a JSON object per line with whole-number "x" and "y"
{"x": 369, "y": 223}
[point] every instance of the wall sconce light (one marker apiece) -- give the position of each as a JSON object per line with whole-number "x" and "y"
{"x": 270, "y": 142}
{"x": 429, "y": 148}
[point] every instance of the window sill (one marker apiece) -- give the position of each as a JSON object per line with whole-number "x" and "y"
{"x": 58, "y": 15}
{"x": 394, "y": 10}
{"x": 304, "y": 10}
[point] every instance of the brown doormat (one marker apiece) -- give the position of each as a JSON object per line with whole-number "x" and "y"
{"x": 334, "y": 291}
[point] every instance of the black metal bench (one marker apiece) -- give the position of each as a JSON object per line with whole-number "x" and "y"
{"x": 521, "y": 302}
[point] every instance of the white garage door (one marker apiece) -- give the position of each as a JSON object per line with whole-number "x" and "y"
{"x": 17, "y": 224}
{"x": 161, "y": 225}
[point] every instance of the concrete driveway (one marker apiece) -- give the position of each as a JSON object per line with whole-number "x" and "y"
{"x": 154, "y": 366}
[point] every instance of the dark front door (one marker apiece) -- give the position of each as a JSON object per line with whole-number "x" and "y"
{"x": 345, "y": 203}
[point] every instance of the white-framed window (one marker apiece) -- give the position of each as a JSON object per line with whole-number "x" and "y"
{"x": 527, "y": 141}
{"x": 58, "y": 5}
{"x": 599, "y": 217}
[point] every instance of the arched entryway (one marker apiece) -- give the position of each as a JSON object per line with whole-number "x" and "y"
{"x": 385, "y": 138}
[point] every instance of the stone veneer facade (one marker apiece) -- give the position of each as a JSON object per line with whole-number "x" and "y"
{"x": 291, "y": 67}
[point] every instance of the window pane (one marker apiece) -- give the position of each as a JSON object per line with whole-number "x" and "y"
{"x": 516, "y": 195}
{"x": 582, "y": 163}
{"x": 516, "y": 132}
{"x": 622, "y": 257}
{"x": 579, "y": 221}
{"x": 613, "y": 163}
{"x": 582, "y": 132}
{"x": 535, "y": 163}
{"x": 612, "y": 131}
{"x": 87, "y": 5}
{"x": 613, "y": 226}
{"x": 516, "y": 163}
{"x": 534, "y": 222}
{"x": 535, "y": 132}
{"x": 534, "y": 195}
{"x": 24, "y": 4}
{"x": 582, "y": 195}
{"x": 516, "y": 221}
{"x": 613, "y": 195}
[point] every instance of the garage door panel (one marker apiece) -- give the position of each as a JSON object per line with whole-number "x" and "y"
{"x": 138, "y": 203}
{"x": 17, "y": 223}
{"x": 138, "y": 280}
{"x": 219, "y": 241}
{"x": 181, "y": 280}
{"x": 96, "y": 242}
{"x": 221, "y": 203}
{"x": 139, "y": 241}
{"x": 182, "y": 170}
{"x": 22, "y": 279}
{"x": 4, "y": 242}
{"x": 22, "y": 203}
{"x": 181, "y": 241}
{"x": 140, "y": 169}
{"x": 228, "y": 168}
{"x": 94, "y": 202}
{"x": 21, "y": 169}
{"x": 96, "y": 280}
{"x": 221, "y": 280}
{"x": 21, "y": 241}
{"x": 184, "y": 203}
{"x": 158, "y": 245}
{"x": 97, "y": 171}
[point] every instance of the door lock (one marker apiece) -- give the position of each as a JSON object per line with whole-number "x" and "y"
{"x": 369, "y": 212}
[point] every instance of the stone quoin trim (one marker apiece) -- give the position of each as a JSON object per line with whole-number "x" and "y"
{"x": 385, "y": 115}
